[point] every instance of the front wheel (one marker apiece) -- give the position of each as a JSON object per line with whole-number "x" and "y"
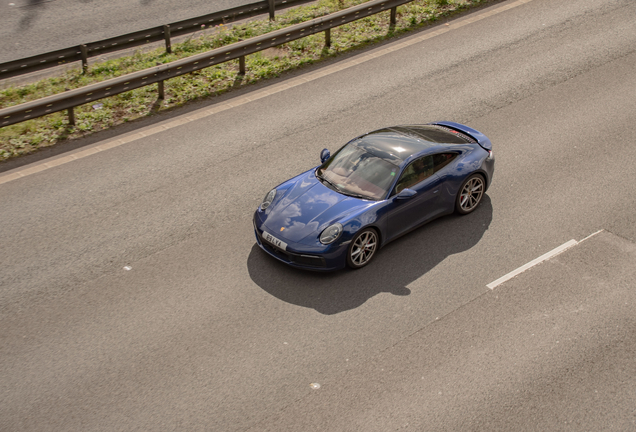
{"x": 362, "y": 248}
{"x": 470, "y": 194}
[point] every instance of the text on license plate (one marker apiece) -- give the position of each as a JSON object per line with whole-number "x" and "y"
{"x": 273, "y": 240}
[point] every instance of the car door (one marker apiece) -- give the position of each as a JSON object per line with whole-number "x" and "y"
{"x": 442, "y": 167}
{"x": 405, "y": 214}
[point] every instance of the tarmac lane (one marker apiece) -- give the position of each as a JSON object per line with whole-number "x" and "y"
{"x": 551, "y": 349}
{"x": 133, "y": 295}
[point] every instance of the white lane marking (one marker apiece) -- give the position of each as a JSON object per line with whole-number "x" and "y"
{"x": 546, "y": 256}
{"x": 258, "y": 94}
{"x": 591, "y": 235}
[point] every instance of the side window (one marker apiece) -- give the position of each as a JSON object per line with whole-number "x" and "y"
{"x": 443, "y": 159}
{"x": 418, "y": 170}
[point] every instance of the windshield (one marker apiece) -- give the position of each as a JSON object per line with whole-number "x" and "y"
{"x": 353, "y": 171}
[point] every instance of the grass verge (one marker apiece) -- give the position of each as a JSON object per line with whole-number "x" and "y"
{"x": 27, "y": 137}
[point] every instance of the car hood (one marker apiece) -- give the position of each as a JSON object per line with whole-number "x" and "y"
{"x": 308, "y": 207}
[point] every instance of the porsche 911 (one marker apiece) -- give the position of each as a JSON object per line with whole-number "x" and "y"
{"x": 376, "y": 188}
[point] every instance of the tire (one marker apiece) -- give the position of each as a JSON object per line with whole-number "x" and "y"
{"x": 362, "y": 248}
{"x": 470, "y": 194}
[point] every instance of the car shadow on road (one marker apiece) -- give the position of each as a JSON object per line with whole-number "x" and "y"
{"x": 394, "y": 267}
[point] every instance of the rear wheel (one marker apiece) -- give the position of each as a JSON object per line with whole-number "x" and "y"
{"x": 362, "y": 248}
{"x": 470, "y": 194}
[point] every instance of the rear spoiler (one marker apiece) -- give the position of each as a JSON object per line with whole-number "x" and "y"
{"x": 481, "y": 139}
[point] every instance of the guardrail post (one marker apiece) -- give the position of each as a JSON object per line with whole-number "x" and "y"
{"x": 84, "y": 51}
{"x": 166, "y": 35}
{"x": 160, "y": 87}
{"x": 393, "y": 15}
{"x": 71, "y": 116}
{"x": 328, "y": 37}
{"x": 242, "y": 65}
{"x": 272, "y": 10}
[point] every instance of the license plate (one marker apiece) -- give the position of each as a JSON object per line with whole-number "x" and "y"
{"x": 273, "y": 240}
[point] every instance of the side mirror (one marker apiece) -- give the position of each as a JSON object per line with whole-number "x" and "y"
{"x": 324, "y": 155}
{"x": 406, "y": 194}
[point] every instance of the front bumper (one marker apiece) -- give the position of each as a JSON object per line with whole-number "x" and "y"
{"x": 332, "y": 257}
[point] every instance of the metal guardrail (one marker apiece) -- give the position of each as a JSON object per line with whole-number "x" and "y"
{"x": 158, "y": 74}
{"x": 161, "y": 33}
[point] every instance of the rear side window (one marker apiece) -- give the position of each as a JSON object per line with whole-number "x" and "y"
{"x": 417, "y": 171}
{"x": 442, "y": 159}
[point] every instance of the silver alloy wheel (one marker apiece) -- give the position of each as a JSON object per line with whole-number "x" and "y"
{"x": 363, "y": 248}
{"x": 471, "y": 194}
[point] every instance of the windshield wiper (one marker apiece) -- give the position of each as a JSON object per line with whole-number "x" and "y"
{"x": 355, "y": 195}
{"x": 342, "y": 191}
{"x": 333, "y": 185}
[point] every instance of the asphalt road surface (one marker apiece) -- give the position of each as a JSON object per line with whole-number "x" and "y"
{"x": 133, "y": 296}
{"x": 31, "y": 27}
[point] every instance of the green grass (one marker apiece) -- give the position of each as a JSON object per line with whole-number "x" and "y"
{"x": 26, "y": 137}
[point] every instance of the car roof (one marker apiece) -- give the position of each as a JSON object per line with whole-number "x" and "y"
{"x": 397, "y": 143}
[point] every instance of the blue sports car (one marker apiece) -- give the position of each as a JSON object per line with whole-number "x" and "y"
{"x": 376, "y": 188}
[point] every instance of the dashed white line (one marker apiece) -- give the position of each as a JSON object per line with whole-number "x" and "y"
{"x": 546, "y": 256}
{"x": 591, "y": 235}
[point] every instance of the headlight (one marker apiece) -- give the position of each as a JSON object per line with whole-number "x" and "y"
{"x": 268, "y": 199}
{"x": 331, "y": 234}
